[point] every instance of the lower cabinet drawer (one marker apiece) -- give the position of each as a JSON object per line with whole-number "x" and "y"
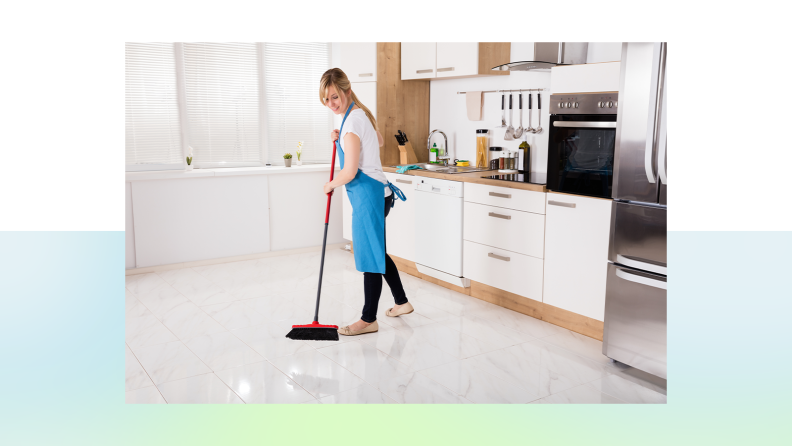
{"x": 518, "y": 231}
{"x": 515, "y": 273}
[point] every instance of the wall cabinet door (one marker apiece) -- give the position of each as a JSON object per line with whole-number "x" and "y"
{"x": 400, "y": 224}
{"x": 577, "y": 231}
{"x": 358, "y": 60}
{"x": 457, "y": 59}
{"x": 418, "y": 60}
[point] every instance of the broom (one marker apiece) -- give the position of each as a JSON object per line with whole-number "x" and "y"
{"x": 316, "y": 331}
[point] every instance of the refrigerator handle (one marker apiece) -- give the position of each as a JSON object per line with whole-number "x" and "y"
{"x": 661, "y": 140}
{"x": 650, "y": 154}
{"x": 631, "y": 277}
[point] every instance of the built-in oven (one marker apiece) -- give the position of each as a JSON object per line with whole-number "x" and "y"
{"x": 581, "y": 143}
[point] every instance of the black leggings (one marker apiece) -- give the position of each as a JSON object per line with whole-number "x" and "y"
{"x": 372, "y": 282}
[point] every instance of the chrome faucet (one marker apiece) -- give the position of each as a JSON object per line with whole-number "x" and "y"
{"x": 445, "y": 157}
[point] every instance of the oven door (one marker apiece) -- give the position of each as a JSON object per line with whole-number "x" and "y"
{"x": 580, "y": 154}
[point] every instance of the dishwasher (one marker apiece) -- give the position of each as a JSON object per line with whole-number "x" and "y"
{"x": 438, "y": 230}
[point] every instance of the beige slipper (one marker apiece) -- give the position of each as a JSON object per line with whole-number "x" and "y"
{"x": 405, "y": 309}
{"x": 370, "y": 329}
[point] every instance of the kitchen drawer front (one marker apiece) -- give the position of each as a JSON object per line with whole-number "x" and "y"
{"x": 517, "y": 231}
{"x": 515, "y": 273}
{"x": 505, "y": 197}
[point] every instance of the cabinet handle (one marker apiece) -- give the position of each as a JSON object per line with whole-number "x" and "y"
{"x": 404, "y": 181}
{"x": 366, "y": 75}
{"x": 561, "y": 203}
{"x": 495, "y": 256}
{"x": 445, "y": 69}
{"x": 424, "y": 71}
{"x": 495, "y": 194}
{"x": 505, "y": 217}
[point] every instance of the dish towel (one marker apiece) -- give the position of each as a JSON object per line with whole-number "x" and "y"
{"x": 473, "y": 102}
{"x": 403, "y": 169}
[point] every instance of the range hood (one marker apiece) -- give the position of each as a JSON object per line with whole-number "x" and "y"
{"x": 548, "y": 55}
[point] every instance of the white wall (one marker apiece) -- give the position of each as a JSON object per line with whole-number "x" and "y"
{"x": 129, "y": 229}
{"x": 447, "y": 111}
{"x": 297, "y": 211}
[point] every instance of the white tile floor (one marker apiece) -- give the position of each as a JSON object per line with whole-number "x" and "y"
{"x": 216, "y": 334}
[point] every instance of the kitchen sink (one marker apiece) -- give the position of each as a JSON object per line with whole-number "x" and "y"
{"x": 439, "y": 168}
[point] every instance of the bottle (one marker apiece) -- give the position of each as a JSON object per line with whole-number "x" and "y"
{"x": 525, "y": 165}
{"x": 433, "y": 154}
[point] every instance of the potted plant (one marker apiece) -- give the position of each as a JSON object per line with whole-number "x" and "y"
{"x": 287, "y": 159}
{"x": 299, "y": 152}
{"x": 189, "y": 159}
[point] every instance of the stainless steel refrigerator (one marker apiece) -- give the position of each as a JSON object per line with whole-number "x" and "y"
{"x": 635, "y": 302}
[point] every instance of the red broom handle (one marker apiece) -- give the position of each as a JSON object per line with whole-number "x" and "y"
{"x": 332, "y": 171}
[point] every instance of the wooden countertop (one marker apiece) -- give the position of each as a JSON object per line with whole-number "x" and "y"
{"x": 472, "y": 177}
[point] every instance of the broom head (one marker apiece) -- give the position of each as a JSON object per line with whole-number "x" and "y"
{"x": 313, "y": 332}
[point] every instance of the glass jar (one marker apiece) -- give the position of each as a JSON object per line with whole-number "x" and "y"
{"x": 482, "y": 143}
{"x": 495, "y": 153}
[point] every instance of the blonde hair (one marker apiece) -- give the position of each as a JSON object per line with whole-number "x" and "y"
{"x": 337, "y": 78}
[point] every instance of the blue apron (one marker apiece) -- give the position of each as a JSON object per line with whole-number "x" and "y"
{"x": 367, "y": 197}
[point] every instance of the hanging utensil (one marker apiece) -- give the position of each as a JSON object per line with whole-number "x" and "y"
{"x": 530, "y": 115}
{"x": 503, "y": 110}
{"x": 509, "y": 135}
{"x": 519, "y": 131}
{"x": 539, "y": 107}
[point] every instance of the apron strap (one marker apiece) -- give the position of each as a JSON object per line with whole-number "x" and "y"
{"x": 396, "y": 193}
{"x": 349, "y": 109}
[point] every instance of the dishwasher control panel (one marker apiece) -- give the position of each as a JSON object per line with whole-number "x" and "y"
{"x": 442, "y": 187}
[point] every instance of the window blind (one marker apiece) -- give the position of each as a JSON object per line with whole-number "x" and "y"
{"x": 293, "y": 112}
{"x": 222, "y": 97}
{"x": 153, "y": 136}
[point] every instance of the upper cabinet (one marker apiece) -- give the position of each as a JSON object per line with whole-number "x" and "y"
{"x": 453, "y": 60}
{"x": 418, "y": 60}
{"x": 358, "y": 60}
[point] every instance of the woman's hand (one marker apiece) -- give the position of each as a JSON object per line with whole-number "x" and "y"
{"x": 328, "y": 189}
{"x": 334, "y": 135}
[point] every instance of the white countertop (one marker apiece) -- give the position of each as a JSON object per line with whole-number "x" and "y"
{"x": 224, "y": 172}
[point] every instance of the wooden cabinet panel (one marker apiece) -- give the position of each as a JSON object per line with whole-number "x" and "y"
{"x": 576, "y": 253}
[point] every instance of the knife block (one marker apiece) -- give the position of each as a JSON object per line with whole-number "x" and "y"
{"x": 407, "y": 154}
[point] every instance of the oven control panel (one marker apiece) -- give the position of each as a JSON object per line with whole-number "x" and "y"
{"x": 603, "y": 103}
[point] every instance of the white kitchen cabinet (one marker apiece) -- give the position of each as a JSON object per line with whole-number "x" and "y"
{"x": 358, "y": 60}
{"x": 517, "y": 231}
{"x": 418, "y": 60}
{"x": 457, "y": 59}
{"x": 400, "y": 224}
{"x": 577, "y": 231}
{"x": 506, "y": 197}
{"x": 506, "y": 270}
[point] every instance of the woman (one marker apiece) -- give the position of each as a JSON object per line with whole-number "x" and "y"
{"x": 372, "y": 196}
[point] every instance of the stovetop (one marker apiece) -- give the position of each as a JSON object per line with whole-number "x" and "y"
{"x": 521, "y": 177}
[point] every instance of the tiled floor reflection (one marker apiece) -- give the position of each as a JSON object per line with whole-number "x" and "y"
{"x": 216, "y": 334}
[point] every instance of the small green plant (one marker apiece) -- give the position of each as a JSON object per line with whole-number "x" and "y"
{"x": 189, "y": 160}
{"x": 287, "y": 156}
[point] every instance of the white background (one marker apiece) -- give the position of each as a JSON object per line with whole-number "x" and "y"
{"x": 62, "y": 101}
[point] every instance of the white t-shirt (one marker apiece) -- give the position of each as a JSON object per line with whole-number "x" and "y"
{"x": 358, "y": 123}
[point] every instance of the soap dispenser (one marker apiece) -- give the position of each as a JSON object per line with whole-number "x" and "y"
{"x": 433, "y": 154}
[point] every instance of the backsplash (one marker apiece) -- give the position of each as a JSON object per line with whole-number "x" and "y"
{"x": 447, "y": 112}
